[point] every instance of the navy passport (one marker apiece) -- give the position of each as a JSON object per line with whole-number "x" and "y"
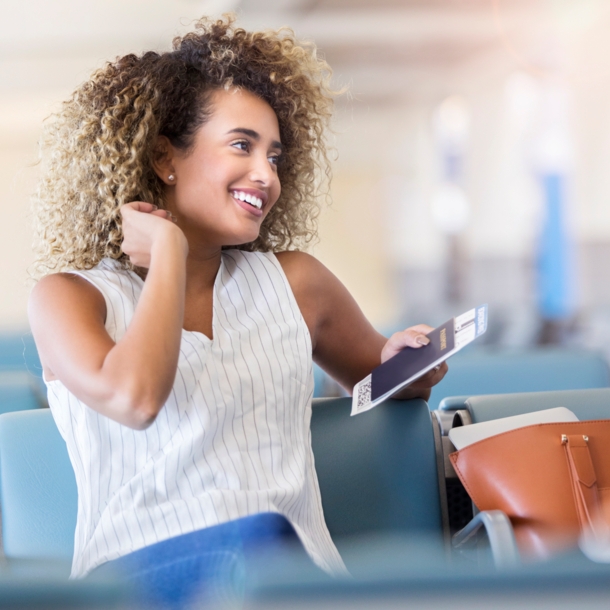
{"x": 411, "y": 361}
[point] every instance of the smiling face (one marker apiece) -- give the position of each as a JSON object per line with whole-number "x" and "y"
{"x": 227, "y": 182}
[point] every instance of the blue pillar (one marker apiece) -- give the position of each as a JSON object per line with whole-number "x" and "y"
{"x": 555, "y": 257}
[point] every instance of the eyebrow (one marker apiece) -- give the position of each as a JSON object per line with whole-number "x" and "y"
{"x": 255, "y": 136}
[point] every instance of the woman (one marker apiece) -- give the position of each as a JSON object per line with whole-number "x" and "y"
{"x": 176, "y": 319}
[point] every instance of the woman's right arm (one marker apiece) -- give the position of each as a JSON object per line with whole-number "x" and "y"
{"x": 128, "y": 381}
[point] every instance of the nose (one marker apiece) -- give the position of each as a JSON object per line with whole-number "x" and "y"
{"x": 261, "y": 170}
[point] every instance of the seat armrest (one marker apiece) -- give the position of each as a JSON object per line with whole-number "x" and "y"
{"x": 453, "y": 403}
{"x": 500, "y": 534}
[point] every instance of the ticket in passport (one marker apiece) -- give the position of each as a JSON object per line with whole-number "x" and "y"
{"x": 411, "y": 363}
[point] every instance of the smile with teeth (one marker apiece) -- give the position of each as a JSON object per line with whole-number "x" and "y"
{"x": 251, "y": 199}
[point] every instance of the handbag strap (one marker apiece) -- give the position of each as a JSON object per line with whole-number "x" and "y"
{"x": 583, "y": 479}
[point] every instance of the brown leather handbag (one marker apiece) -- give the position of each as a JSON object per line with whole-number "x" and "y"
{"x": 552, "y": 480}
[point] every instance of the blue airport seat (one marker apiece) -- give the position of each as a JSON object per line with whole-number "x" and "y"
{"x": 377, "y": 474}
{"x": 38, "y": 503}
{"x": 586, "y": 404}
{"x": 38, "y": 497}
{"x": 504, "y": 372}
{"x": 377, "y": 471}
{"x": 392, "y": 576}
{"x": 42, "y": 585}
{"x": 378, "y": 478}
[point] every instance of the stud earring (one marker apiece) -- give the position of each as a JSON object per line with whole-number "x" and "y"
{"x": 171, "y": 177}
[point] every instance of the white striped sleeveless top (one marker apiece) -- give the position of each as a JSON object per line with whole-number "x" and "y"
{"x": 232, "y": 440}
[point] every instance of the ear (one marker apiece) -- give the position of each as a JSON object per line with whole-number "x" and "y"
{"x": 163, "y": 160}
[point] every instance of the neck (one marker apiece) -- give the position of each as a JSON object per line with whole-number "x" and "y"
{"x": 202, "y": 266}
{"x": 203, "y": 260}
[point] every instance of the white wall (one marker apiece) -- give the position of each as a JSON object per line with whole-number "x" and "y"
{"x": 387, "y": 168}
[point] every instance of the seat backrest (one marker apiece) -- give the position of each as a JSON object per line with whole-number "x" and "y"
{"x": 38, "y": 497}
{"x": 586, "y": 404}
{"x": 377, "y": 471}
{"x": 504, "y": 372}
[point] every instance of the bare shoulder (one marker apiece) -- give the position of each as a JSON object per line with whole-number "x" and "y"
{"x": 295, "y": 261}
{"x": 65, "y": 291}
{"x": 318, "y": 292}
{"x": 308, "y": 278}
{"x": 63, "y": 308}
{"x": 344, "y": 343}
{"x": 304, "y": 272}
{"x": 61, "y": 301}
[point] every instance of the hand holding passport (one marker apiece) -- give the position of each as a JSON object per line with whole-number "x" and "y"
{"x": 410, "y": 364}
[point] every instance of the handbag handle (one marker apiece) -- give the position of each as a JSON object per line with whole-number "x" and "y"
{"x": 583, "y": 479}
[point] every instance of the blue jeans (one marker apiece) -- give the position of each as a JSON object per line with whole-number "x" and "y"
{"x": 209, "y": 565}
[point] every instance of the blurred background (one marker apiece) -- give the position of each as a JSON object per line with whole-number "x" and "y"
{"x": 472, "y": 149}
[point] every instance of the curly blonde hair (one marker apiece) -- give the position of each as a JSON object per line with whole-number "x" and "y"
{"x": 97, "y": 150}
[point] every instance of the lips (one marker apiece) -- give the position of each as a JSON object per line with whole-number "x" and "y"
{"x": 251, "y": 200}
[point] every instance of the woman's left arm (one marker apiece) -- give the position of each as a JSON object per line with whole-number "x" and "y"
{"x": 344, "y": 343}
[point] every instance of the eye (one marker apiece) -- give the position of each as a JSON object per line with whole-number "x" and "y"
{"x": 241, "y": 145}
{"x": 275, "y": 159}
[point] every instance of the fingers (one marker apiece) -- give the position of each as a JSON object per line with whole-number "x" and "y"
{"x": 165, "y": 214}
{"x": 147, "y": 208}
{"x": 414, "y": 336}
{"x": 440, "y": 371}
{"x": 140, "y": 229}
{"x": 422, "y": 329}
{"x": 138, "y": 206}
{"x": 431, "y": 378}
